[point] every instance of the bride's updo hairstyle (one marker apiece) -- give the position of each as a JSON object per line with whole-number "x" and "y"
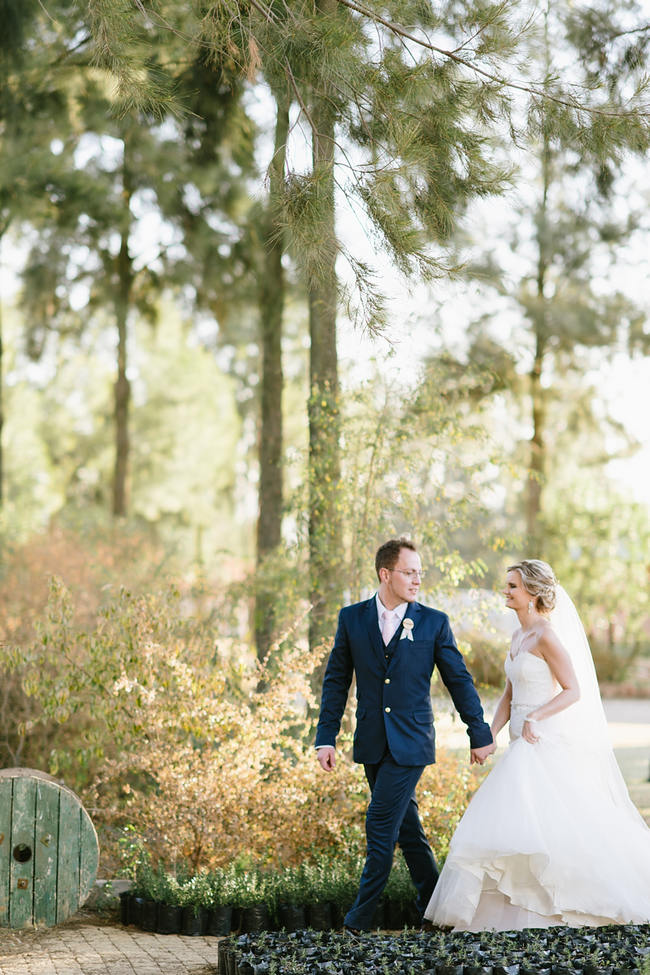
{"x": 539, "y": 580}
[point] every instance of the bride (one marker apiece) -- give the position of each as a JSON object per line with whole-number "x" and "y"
{"x": 551, "y": 837}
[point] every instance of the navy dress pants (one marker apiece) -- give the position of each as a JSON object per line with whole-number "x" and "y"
{"x": 392, "y": 818}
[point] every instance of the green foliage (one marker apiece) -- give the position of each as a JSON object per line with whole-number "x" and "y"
{"x": 410, "y": 465}
{"x": 122, "y": 46}
{"x": 323, "y": 879}
{"x": 610, "y": 948}
{"x": 596, "y": 539}
{"x": 58, "y": 445}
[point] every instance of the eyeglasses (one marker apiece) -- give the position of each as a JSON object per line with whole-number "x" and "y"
{"x": 410, "y": 573}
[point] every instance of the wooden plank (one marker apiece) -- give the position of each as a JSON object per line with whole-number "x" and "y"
{"x": 67, "y": 888}
{"x": 6, "y": 793}
{"x": 21, "y": 888}
{"x": 88, "y": 857}
{"x": 46, "y": 852}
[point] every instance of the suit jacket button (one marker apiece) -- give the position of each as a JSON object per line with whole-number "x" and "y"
{"x": 387, "y": 681}
{"x": 387, "y": 710}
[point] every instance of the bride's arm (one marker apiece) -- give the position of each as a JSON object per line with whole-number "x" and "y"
{"x": 502, "y": 713}
{"x": 550, "y": 648}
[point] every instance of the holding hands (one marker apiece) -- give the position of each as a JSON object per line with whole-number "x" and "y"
{"x": 477, "y": 756}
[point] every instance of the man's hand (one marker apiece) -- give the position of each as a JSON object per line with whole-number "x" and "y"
{"x": 477, "y": 756}
{"x": 327, "y": 758}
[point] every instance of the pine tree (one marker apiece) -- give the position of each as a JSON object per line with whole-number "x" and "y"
{"x": 137, "y": 165}
{"x": 271, "y": 299}
{"x": 32, "y": 115}
{"x": 568, "y": 228}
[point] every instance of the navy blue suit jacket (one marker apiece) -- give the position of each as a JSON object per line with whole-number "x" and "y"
{"x": 393, "y": 689}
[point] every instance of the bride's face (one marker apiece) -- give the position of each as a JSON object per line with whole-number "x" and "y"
{"x": 516, "y": 596}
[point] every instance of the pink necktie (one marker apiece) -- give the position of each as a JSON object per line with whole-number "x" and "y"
{"x": 387, "y": 626}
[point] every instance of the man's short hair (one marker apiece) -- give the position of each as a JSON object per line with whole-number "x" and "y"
{"x": 388, "y": 553}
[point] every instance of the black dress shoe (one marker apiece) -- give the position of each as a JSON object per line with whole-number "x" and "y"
{"x": 351, "y": 932}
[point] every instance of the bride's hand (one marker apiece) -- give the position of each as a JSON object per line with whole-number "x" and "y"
{"x": 528, "y": 732}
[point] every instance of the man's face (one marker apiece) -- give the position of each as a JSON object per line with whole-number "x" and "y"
{"x": 402, "y": 582}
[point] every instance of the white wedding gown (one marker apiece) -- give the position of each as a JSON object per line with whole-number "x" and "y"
{"x": 551, "y": 837}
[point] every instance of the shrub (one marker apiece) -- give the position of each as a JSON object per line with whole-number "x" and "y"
{"x": 197, "y": 760}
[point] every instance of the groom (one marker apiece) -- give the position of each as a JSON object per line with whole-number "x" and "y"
{"x": 392, "y": 644}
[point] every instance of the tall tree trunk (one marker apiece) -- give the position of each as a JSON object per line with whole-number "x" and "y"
{"x": 324, "y": 420}
{"x": 537, "y": 460}
{"x": 2, "y": 411}
{"x": 271, "y": 300}
{"x": 3, "y": 230}
{"x": 122, "y": 389}
{"x": 2, "y": 416}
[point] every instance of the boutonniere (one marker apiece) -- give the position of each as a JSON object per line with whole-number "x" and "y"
{"x": 407, "y": 629}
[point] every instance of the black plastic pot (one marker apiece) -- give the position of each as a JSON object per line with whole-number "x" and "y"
{"x": 134, "y": 913}
{"x": 231, "y": 964}
{"x": 124, "y": 907}
{"x": 236, "y": 919}
{"x": 219, "y": 921}
{"x": 223, "y": 950}
{"x": 319, "y": 916}
{"x": 338, "y": 914}
{"x": 255, "y": 918}
{"x": 191, "y": 922}
{"x": 394, "y": 916}
{"x": 292, "y": 917}
{"x": 170, "y": 919}
{"x": 411, "y": 915}
{"x": 149, "y": 915}
{"x": 379, "y": 917}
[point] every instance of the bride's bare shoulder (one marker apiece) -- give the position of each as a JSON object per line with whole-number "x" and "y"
{"x": 548, "y": 638}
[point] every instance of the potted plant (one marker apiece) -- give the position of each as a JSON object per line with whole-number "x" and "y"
{"x": 317, "y": 887}
{"x": 139, "y": 893}
{"x": 291, "y": 900}
{"x": 170, "y": 912}
{"x": 195, "y": 896}
{"x": 255, "y": 898}
{"x": 342, "y": 878}
{"x": 219, "y": 904}
{"x": 146, "y": 891}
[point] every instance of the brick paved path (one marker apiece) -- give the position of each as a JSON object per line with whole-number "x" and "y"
{"x": 81, "y": 946}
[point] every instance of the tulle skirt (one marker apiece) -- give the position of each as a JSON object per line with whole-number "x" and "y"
{"x": 551, "y": 837}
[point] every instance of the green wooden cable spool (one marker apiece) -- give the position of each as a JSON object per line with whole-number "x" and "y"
{"x": 48, "y": 850}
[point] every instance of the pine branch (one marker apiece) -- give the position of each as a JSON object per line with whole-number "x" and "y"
{"x": 534, "y": 90}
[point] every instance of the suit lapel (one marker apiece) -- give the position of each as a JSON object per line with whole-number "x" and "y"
{"x": 374, "y": 633}
{"x": 412, "y": 612}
